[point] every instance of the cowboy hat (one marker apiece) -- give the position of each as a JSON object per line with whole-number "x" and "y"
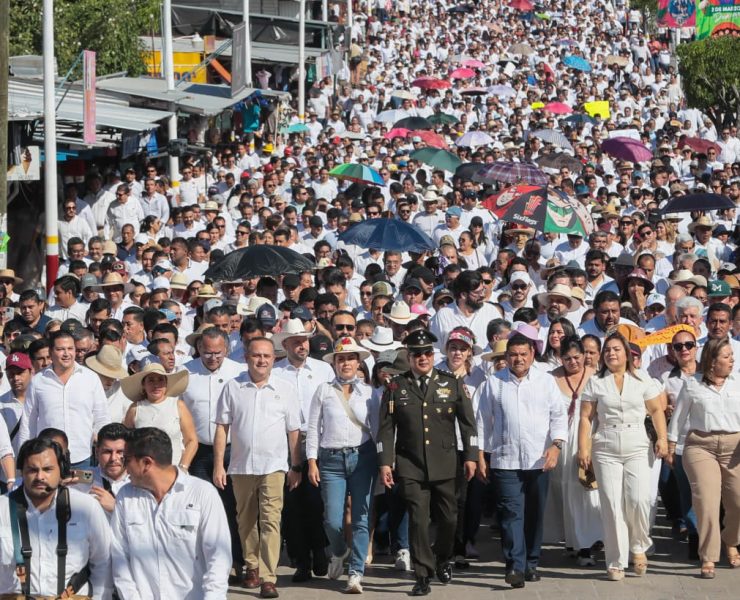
{"x": 346, "y": 345}
{"x": 703, "y": 221}
{"x": 530, "y": 332}
{"x": 112, "y": 280}
{"x": 498, "y": 351}
{"x": 206, "y": 292}
{"x": 10, "y": 274}
{"x": 107, "y": 362}
{"x": 381, "y": 340}
{"x": 179, "y": 281}
{"x": 400, "y": 313}
{"x": 250, "y": 308}
{"x": 562, "y": 290}
{"x": 133, "y": 385}
{"x": 293, "y": 328}
{"x": 193, "y": 338}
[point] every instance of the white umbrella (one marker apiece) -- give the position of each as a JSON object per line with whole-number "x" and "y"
{"x": 473, "y": 139}
{"x": 391, "y": 116}
{"x": 403, "y": 94}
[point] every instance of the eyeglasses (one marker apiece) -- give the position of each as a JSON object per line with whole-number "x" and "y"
{"x": 344, "y": 327}
{"x": 678, "y": 346}
{"x": 416, "y": 353}
{"x": 242, "y": 232}
{"x": 518, "y": 287}
{"x": 211, "y": 354}
{"x": 487, "y": 281}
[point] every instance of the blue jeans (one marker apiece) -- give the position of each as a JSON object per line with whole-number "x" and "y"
{"x": 684, "y": 494}
{"x": 520, "y": 504}
{"x": 343, "y": 471}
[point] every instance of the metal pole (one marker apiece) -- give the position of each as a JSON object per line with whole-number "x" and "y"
{"x": 324, "y": 10}
{"x": 50, "y": 148}
{"x": 169, "y": 75}
{"x": 302, "y": 62}
{"x": 248, "y": 45}
{"x": 348, "y": 33}
{"x": 4, "y": 59}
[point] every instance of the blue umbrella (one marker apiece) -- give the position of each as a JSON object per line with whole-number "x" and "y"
{"x": 579, "y": 118}
{"x": 578, "y": 63}
{"x": 388, "y": 234}
{"x": 295, "y": 128}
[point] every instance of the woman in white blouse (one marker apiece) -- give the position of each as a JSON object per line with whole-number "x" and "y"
{"x": 619, "y": 397}
{"x": 342, "y": 458}
{"x": 708, "y": 406}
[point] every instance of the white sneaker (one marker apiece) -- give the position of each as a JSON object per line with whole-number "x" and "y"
{"x": 336, "y": 565}
{"x": 403, "y": 560}
{"x": 354, "y": 584}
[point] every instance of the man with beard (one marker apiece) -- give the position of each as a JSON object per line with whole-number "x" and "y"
{"x": 110, "y": 475}
{"x": 558, "y": 302}
{"x": 596, "y": 263}
{"x": 521, "y": 287}
{"x": 469, "y": 310}
{"x": 46, "y": 510}
{"x": 606, "y": 317}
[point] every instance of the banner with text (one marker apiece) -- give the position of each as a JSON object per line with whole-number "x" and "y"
{"x": 717, "y": 17}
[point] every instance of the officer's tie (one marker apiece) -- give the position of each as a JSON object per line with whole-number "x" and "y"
{"x": 423, "y": 384}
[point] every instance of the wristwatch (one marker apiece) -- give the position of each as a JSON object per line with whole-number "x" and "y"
{"x": 296, "y": 468}
{"x": 558, "y": 444}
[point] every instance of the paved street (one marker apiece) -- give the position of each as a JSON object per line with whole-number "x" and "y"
{"x": 670, "y": 576}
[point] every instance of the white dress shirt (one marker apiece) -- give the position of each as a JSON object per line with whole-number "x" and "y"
{"x": 519, "y": 418}
{"x": 79, "y": 408}
{"x": 260, "y": 419}
{"x": 11, "y": 410}
{"x": 88, "y": 540}
{"x": 449, "y": 317}
{"x": 179, "y": 548}
{"x": 76, "y": 311}
{"x": 705, "y": 408}
{"x": 203, "y": 391}
{"x": 155, "y": 205}
{"x": 307, "y": 380}
{"x": 120, "y": 214}
{"x": 615, "y": 408}
{"x": 328, "y": 423}
{"x": 118, "y": 402}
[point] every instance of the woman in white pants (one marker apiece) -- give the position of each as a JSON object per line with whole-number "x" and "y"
{"x": 620, "y": 396}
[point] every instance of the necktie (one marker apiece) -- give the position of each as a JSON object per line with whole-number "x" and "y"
{"x": 423, "y": 384}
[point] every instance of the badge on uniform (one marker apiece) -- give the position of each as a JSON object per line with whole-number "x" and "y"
{"x": 449, "y": 410}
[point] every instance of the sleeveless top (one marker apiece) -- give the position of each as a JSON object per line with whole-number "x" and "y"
{"x": 164, "y": 416}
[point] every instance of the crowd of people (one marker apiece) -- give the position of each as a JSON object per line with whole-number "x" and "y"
{"x": 166, "y": 433}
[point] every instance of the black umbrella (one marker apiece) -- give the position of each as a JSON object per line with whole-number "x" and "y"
{"x": 461, "y": 9}
{"x": 558, "y": 160}
{"x": 413, "y": 123}
{"x": 697, "y": 202}
{"x": 466, "y": 170}
{"x": 258, "y": 261}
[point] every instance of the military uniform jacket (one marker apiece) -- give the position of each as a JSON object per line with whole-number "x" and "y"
{"x": 423, "y": 426}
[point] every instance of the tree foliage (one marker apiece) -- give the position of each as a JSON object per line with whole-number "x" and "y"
{"x": 710, "y": 70}
{"x": 643, "y": 5}
{"x": 109, "y": 27}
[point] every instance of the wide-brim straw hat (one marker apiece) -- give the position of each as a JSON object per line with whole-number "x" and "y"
{"x": 498, "y": 351}
{"x": 293, "y": 328}
{"x": 113, "y": 280}
{"x": 10, "y": 274}
{"x": 133, "y": 385}
{"x": 108, "y": 362}
{"x": 346, "y": 345}
{"x": 381, "y": 340}
{"x": 561, "y": 290}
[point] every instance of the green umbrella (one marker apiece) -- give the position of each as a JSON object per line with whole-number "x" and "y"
{"x": 295, "y": 128}
{"x": 443, "y": 119}
{"x": 440, "y": 159}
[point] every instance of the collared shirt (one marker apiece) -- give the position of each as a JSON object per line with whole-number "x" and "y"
{"x": 118, "y": 402}
{"x": 329, "y": 426}
{"x": 120, "y": 214}
{"x": 449, "y": 317}
{"x": 79, "y": 408}
{"x": 76, "y": 311}
{"x": 260, "y": 419}
{"x": 11, "y": 410}
{"x": 519, "y": 419}
{"x": 617, "y": 408}
{"x": 705, "y": 408}
{"x": 179, "y": 548}
{"x": 307, "y": 380}
{"x": 155, "y": 205}
{"x": 88, "y": 541}
{"x": 203, "y": 391}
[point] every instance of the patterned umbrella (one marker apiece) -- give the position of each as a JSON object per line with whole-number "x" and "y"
{"x": 431, "y": 83}
{"x": 626, "y": 148}
{"x": 473, "y": 139}
{"x": 558, "y": 108}
{"x": 437, "y": 158}
{"x": 510, "y": 172}
{"x": 357, "y": 173}
{"x": 577, "y": 62}
{"x": 462, "y": 73}
{"x": 413, "y": 123}
{"x": 550, "y": 136}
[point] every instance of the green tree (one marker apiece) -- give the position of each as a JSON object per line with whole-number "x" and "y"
{"x": 710, "y": 71}
{"x": 109, "y": 27}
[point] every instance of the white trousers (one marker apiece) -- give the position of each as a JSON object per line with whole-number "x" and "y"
{"x": 623, "y": 458}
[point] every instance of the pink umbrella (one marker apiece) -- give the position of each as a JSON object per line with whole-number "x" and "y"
{"x": 397, "y": 132}
{"x": 429, "y": 138}
{"x": 430, "y": 83}
{"x": 626, "y": 148}
{"x": 522, "y": 5}
{"x": 473, "y": 63}
{"x": 462, "y": 73}
{"x": 558, "y": 108}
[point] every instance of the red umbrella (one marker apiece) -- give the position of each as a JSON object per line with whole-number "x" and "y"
{"x": 397, "y": 132}
{"x": 522, "y": 5}
{"x": 558, "y": 108}
{"x": 430, "y": 83}
{"x": 626, "y": 148}
{"x": 473, "y": 63}
{"x": 462, "y": 73}
{"x": 429, "y": 138}
{"x": 699, "y": 145}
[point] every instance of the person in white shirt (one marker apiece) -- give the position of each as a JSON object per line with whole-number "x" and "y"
{"x": 44, "y": 502}
{"x": 154, "y": 203}
{"x": 71, "y": 225}
{"x": 66, "y": 396}
{"x": 66, "y": 292}
{"x": 19, "y": 370}
{"x": 166, "y": 515}
{"x": 209, "y": 374}
{"x": 260, "y": 410}
{"x": 523, "y": 425}
{"x": 110, "y": 475}
{"x": 124, "y": 210}
{"x": 108, "y": 363}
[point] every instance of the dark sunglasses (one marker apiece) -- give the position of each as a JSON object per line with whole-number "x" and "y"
{"x": 678, "y": 346}
{"x": 519, "y": 287}
{"x": 344, "y": 327}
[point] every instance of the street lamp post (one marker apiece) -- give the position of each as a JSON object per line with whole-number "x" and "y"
{"x": 50, "y": 147}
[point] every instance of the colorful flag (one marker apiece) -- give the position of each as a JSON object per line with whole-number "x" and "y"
{"x": 676, "y": 13}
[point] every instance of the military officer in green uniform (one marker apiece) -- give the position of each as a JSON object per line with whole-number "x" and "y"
{"x": 417, "y": 433}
